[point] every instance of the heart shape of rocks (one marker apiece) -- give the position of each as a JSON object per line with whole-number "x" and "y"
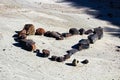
{"x": 29, "y": 45}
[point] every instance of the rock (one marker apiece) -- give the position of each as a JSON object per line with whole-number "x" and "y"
{"x": 45, "y": 53}
{"x": 72, "y": 51}
{"x": 40, "y": 31}
{"x": 81, "y": 31}
{"x": 92, "y": 38}
{"x": 99, "y": 32}
{"x": 66, "y": 34}
{"x": 85, "y": 61}
{"x": 60, "y": 59}
{"x": 83, "y": 44}
{"x": 75, "y": 62}
{"x": 73, "y": 31}
{"x": 54, "y": 34}
{"x": 30, "y": 29}
{"x": 28, "y": 44}
{"x": 53, "y": 58}
{"x": 89, "y": 31}
{"x": 67, "y": 56}
{"x": 22, "y": 34}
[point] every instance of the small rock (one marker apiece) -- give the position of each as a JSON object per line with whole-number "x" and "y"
{"x": 4, "y": 49}
{"x": 99, "y": 32}
{"x": 60, "y": 59}
{"x": 45, "y": 53}
{"x": 92, "y": 38}
{"x": 67, "y": 56}
{"x": 73, "y": 31}
{"x": 83, "y": 44}
{"x": 75, "y": 62}
{"x": 89, "y": 31}
{"x": 82, "y": 31}
{"x": 85, "y": 61}
{"x": 53, "y": 58}
{"x": 40, "y": 31}
{"x": 66, "y": 34}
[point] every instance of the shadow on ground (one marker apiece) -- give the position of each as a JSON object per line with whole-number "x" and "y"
{"x": 108, "y": 10}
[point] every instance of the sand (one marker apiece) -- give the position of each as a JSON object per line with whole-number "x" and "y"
{"x": 19, "y": 64}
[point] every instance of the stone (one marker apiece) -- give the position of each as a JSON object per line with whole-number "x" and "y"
{"x": 73, "y": 31}
{"x": 40, "y": 31}
{"x": 28, "y": 44}
{"x": 48, "y": 34}
{"x": 53, "y": 58}
{"x": 67, "y": 56}
{"x": 99, "y": 32}
{"x": 66, "y": 34}
{"x": 72, "y": 51}
{"x": 85, "y": 61}
{"x": 75, "y": 62}
{"x": 60, "y": 59}
{"x": 83, "y": 44}
{"x": 81, "y": 31}
{"x": 45, "y": 53}
{"x": 89, "y": 31}
{"x": 30, "y": 29}
{"x": 93, "y": 38}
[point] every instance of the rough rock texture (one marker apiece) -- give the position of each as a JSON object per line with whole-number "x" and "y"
{"x": 73, "y": 31}
{"x": 53, "y": 58}
{"x": 67, "y": 56}
{"x": 40, "y": 31}
{"x": 22, "y": 34}
{"x": 30, "y": 29}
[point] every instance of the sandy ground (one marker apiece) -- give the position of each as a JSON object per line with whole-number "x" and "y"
{"x": 18, "y": 64}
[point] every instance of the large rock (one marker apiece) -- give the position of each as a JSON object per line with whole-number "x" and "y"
{"x": 28, "y": 44}
{"x": 73, "y": 31}
{"x": 92, "y": 38}
{"x": 99, "y": 32}
{"x": 30, "y": 29}
{"x": 40, "y": 31}
{"x": 83, "y": 44}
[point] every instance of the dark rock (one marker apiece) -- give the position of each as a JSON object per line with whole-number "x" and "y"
{"x": 67, "y": 56}
{"x": 60, "y": 59}
{"x": 73, "y": 31}
{"x": 83, "y": 44}
{"x": 92, "y": 38}
{"x": 66, "y": 34}
{"x": 89, "y": 31}
{"x": 45, "y": 53}
{"x": 81, "y": 31}
{"x": 22, "y": 34}
{"x": 28, "y": 44}
{"x": 53, "y": 58}
{"x": 48, "y": 34}
{"x": 75, "y": 62}
{"x": 30, "y": 29}
{"x": 72, "y": 51}
{"x": 40, "y": 31}
{"x": 99, "y": 32}
{"x": 85, "y": 61}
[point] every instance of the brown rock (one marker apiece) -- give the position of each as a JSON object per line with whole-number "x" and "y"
{"x": 53, "y": 58}
{"x": 28, "y": 44}
{"x": 40, "y": 31}
{"x": 89, "y": 31}
{"x": 45, "y": 53}
{"x": 30, "y": 29}
{"x": 60, "y": 59}
{"x": 73, "y": 31}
